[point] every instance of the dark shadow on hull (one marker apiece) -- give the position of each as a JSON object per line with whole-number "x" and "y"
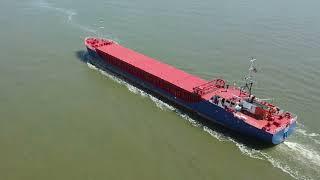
{"x": 250, "y": 142}
{"x": 83, "y": 56}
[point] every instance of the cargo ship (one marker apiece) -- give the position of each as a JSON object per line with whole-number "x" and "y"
{"x": 233, "y": 107}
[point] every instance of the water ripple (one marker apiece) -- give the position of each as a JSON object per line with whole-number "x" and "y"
{"x": 290, "y": 152}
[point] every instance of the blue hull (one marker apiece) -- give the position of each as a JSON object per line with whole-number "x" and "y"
{"x": 205, "y": 109}
{"x": 92, "y": 53}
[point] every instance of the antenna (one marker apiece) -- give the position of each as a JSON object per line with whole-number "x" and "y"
{"x": 250, "y": 77}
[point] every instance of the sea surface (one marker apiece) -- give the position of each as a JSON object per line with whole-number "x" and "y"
{"x": 62, "y": 118}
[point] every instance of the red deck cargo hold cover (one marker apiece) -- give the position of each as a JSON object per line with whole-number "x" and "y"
{"x": 166, "y": 72}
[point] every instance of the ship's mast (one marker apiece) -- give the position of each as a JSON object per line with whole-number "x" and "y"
{"x": 250, "y": 77}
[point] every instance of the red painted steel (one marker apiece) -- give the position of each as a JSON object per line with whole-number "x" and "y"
{"x": 183, "y": 85}
{"x": 149, "y": 65}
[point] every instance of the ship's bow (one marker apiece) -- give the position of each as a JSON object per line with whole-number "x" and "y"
{"x": 92, "y": 43}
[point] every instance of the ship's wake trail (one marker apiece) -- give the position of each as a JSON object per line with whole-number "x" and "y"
{"x": 294, "y": 158}
{"x": 315, "y": 137}
{"x": 299, "y": 157}
{"x": 69, "y": 14}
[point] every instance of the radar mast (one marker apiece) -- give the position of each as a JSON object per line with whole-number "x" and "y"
{"x": 250, "y": 77}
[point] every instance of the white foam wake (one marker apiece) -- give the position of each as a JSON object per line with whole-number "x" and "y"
{"x": 69, "y": 13}
{"x": 305, "y": 133}
{"x": 69, "y": 18}
{"x": 298, "y": 153}
{"x": 315, "y": 137}
{"x": 304, "y": 153}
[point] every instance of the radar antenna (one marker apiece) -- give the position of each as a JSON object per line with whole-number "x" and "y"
{"x": 250, "y": 77}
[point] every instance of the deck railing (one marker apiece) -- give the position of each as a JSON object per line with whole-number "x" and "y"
{"x": 209, "y": 87}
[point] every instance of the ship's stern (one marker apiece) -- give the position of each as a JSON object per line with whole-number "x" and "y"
{"x": 284, "y": 133}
